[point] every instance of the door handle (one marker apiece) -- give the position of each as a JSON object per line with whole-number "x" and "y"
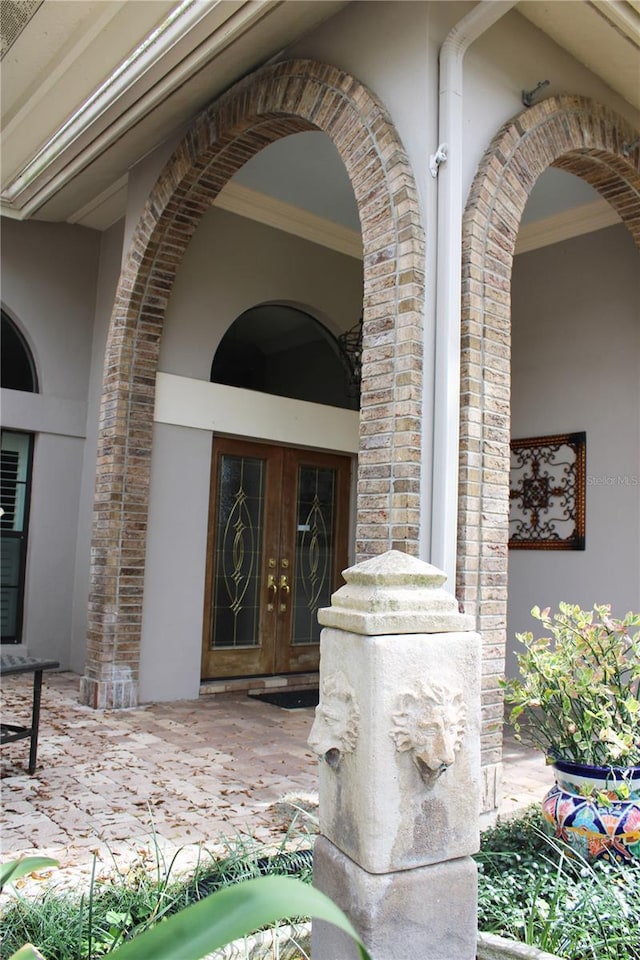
{"x": 272, "y": 590}
{"x": 285, "y": 590}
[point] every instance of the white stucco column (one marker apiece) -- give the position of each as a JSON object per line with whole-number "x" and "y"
{"x": 398, "y": 733}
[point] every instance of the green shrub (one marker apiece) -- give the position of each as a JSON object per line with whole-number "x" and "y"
{"x": 531, "y": 888}
{"x": 578, "y": 696}
{"x": 66, "y": 926}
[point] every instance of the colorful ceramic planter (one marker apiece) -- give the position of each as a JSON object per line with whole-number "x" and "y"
{"x": 596, "y": 810}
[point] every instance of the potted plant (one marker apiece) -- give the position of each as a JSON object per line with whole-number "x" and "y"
{"x": 578, "y": 700}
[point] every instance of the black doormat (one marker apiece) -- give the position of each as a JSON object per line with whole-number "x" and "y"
{"x": 289, "y": 699}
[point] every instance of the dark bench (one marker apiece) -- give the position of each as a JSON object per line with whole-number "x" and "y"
{"x": 10, "y": 731}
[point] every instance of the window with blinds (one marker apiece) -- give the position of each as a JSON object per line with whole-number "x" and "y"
{"x": 15, "y": 480}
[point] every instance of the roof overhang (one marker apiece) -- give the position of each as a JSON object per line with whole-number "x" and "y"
{"x": 604, "y": 35}
{"x": 90, "y": 88}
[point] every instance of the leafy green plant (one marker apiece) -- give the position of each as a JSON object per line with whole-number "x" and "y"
{"x": 579, "y": 694}
{"x": 529, "y": 889}
{"x": 228, "y": 915}
{"x": 70, "y": 926}
{"x": 522, "y": 836}
{"x": 122, "y": 910}
{"x": 532, "y": 888}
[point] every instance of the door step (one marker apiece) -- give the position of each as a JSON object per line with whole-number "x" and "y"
{"x": 256, "y": 685}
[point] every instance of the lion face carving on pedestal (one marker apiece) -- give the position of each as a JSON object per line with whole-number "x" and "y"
{"x": 335, "y": 728}
{"x": 431, "y": 722}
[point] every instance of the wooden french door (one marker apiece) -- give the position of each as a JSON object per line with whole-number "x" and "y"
{"x": 278, "y": 535}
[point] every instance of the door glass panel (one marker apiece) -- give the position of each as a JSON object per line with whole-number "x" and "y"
{"x": 315, "y": 539}
{"x": 238, "y": 552}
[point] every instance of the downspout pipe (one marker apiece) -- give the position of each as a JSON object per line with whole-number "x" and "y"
{"x": 444, "y": 512}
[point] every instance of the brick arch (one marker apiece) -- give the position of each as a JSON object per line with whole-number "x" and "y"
{"x": 583, "y": 138}
{"x": 278, "y": 100}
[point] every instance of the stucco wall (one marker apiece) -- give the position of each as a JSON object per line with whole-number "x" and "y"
{"x": 393, "y": 48}
{"x": 48, "y": 285}
{"x": 233, "y": 264}
{"x": 576, "y": 366}
{"x": 48, "y": 288}
{"x": 175, "y": 568}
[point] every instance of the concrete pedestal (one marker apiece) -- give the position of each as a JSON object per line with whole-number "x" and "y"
{"x": 428, "y": 913}
{"x": 398, "y": 733}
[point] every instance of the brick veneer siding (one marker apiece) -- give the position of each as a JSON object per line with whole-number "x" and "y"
{"x": 278, "y": 100}
{"x": 583, "y": 138}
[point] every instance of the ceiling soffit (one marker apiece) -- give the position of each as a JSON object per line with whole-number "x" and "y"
{"x": 56, "y": 70}
{"x": 162, "y": 60}
{"x": 89, "y": 88}
{"x": 199, "y": 48}
{"x": 604, "y": 35}
{"x": 14, "y": 16}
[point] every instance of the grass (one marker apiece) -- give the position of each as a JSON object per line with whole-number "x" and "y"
{"x": 68, "y": 926}
{"x": 528, "y": 890}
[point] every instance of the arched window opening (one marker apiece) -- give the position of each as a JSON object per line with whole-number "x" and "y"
{"x": 18, "y": 368}
{"x": 284, "y": 351}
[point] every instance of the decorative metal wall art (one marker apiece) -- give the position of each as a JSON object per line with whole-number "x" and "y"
{"x": 547, "y": 493}
{"x": 350, "y": 344}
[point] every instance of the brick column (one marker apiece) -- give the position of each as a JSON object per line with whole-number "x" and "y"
{"x": 281, "y": 99}
{"x": 586, "y": 139}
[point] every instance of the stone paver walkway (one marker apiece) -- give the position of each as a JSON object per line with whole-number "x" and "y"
{"x": 176, "y": 776}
